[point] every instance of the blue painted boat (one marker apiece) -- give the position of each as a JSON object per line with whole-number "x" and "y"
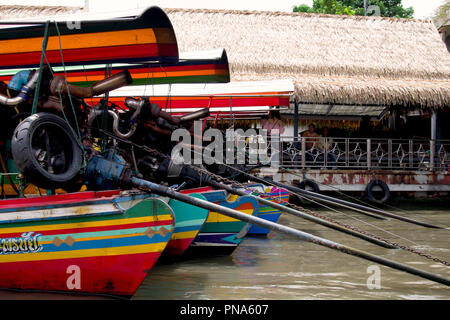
{"x": 221, "y": 234}
{"x": 274, "y": 194}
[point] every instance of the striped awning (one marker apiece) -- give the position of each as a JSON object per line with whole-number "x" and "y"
{"x": 240, "y": 99}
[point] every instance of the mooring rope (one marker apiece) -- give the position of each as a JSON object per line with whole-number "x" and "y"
{"x": 38, "y": 84}
{"x": 61, "y": 99}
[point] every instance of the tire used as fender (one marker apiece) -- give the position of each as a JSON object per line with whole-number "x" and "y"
{"x": 28, "y": 165}
{"x": 368, "y": 192}
{"x": 308, "y": 185}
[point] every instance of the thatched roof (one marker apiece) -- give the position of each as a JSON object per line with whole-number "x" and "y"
{"x": 13, "y": 11}
{"x": 332, "y": 59}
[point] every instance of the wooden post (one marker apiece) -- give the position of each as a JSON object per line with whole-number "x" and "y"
{"x": 295, "y": 124}
{"x": 411, "y": 154}
{"x": 303, "y": 153}
{"x": 347, "y": 152}
{"x": 433, "y": 139}
{"x": 432, "y": 153}
{"x": 390, "y": 153}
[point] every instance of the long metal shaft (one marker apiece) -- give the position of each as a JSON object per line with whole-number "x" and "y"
{"x": 343, "y": 203}
{"x": 311, "y": 195}
{"x": 304, "y": 215}
{"x": 165, "y": 191}
{"x": 320, "y": 197}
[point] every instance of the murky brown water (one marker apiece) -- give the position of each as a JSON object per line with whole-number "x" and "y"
{"x": 283, "y": 268}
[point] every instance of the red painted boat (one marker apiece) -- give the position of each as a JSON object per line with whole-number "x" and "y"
{"x": 82, "y": 242}
{"x": 189, "y": 219}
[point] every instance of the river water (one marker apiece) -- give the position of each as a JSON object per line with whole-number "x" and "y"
{"x": 279, "y": 267}
{"x": 284, "y": 268}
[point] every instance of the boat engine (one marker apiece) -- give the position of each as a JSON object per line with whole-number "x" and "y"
{"x": 51, "y": 154}
{"x": 110, "y": 171}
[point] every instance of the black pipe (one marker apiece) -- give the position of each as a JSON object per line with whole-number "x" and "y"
{"x": 59, "y": 84}
{"x": 199, "y": 114}
{"x": 343, "y": 203}
{"x": 303, "y": 215}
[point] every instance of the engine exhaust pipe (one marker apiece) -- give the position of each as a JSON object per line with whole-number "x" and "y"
{"x": 96, "y": 112}
{"x": 24, "y": 94}
{"x": 156, "y": 111}
{"x": 202, "y": 113}
{"x": 116, "y": 81}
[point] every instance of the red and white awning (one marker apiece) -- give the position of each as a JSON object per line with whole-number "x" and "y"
{"x": 239, "y": 99}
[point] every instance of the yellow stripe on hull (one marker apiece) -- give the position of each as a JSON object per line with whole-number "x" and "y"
{"x": 32, "y": 190}
{"x": 184, "y": 235}
{"x": 102, "y": 237}
{"x": 39, "y": 256}
{"x": 63, "y": 226}
{"x": 217, "y": 217}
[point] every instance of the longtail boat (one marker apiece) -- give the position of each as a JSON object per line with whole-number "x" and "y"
{"x": 221, "y": 234}
{"x": 103, "y": 242}
{"x": 195, "y": 67}
{"x": 148, "y": 37}
{"x": 275, "y": 194}
{"x": 189, "y": 220}
{"x": 82, "y": 242}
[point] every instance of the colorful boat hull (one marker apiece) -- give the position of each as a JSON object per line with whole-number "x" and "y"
{"x": 189, "y": 220}
{"x": 221, "y": 234}
{"x": 204, "y": 69}
{"x": 275, "y": 194}
{"x": 81, "y": 242}
{"x": 148, "y": 37}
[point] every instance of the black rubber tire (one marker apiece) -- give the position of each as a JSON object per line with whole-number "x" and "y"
{"x": 368, "y": 192}
{"x": 62, "y": 139}
{"x": 311, "y": 184}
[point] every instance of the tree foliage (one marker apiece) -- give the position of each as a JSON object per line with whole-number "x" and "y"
{"x": 384, "y": 8}
{"x": 326, "y": 6}
{"x": 442, "y": 14}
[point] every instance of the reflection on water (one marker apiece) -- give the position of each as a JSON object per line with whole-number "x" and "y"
{"x": 283, "y": 268}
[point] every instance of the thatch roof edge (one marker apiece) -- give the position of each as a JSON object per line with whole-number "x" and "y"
{"x": 294, "y": 14}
